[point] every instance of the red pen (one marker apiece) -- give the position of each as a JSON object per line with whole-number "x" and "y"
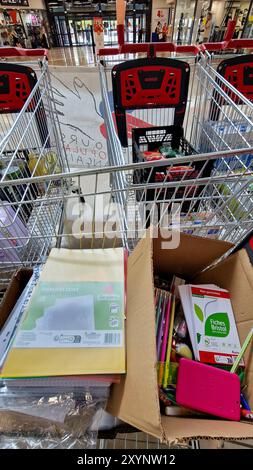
{"x": 247, "y": 414}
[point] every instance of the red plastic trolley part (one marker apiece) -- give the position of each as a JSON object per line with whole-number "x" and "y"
{"x": 16, "y": 84}
{"x": 150, "y": 48}
{"x": 238, "y": 71}
{"x": 132, "y": 123}
{"x": 159, "y": 177}
{"x": 146, "y": 84}
{"x": 179, "y": 171}
{"x": 16, "y": 80}
{"x": 20, "y": 52}
{"x": 230, "y": 30}
{"x": 220, "y": 46}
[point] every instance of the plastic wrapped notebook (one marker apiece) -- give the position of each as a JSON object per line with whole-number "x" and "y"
{"x": 74, "y": 322}
{"x": 50, "y": 417}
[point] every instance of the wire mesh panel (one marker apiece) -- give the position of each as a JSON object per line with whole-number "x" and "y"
{"x": 221, "y": 115}
{"x": 208, "y": 194}
{"x": 213, "y": 192}
{"x": 30, "y": 146}
{"x": 112, "y": 214}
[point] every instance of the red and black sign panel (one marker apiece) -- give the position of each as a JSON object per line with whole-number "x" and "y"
{"x": 147, "y": 84}
{"x": 238, "y": 71}
{"x": 16, "y": 84}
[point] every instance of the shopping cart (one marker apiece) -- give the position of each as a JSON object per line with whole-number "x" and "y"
{"x": 223, "y": 198}
{"x": 31, "y": 145}
{"x": 214, "y": 206}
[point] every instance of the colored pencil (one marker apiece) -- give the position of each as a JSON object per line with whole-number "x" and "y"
{"x": 164, "y": 341}
{"x": 241, "y": 353}
{"x": 169, "y": 345}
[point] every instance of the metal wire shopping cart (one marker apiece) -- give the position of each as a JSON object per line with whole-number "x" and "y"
{"x": 213, "y": 189}
{"x": 116, "y": 207}
{"x": 30, "y": 146}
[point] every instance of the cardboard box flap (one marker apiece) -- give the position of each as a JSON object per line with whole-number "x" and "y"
{"x": 191, "y": 256}
{"x": 180, "y": 429}
{"x": 17, "y": 284}
{"x": 130, "y": 400}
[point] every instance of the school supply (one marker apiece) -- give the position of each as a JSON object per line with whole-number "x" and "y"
{"x": 208, "y": 389}
{"x": 165, "y": 339}
{"x": 152, "y": 156}
{"x": 188, "y": 388}
{"x": 168, "y": 152}
{"x": 176, "y": 282}
{"x": 165, "y": 312}
{"x": 13, "y": 235}
{"x": 63, "y": 382}
{"x": 169, "y": 344}
{"x": 246, "y": 414}
{"x": 211, "y": 324}
{"x": 183, "y": 350}
{"x": 8, "y": 331}
{"x": 244, "y": 403}
{"x": 240, "y": 355}
{"x": 74, "y": 322}
{"x": 180, "y": 411}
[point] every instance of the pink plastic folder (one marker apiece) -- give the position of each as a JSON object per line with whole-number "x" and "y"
{"x": 208, "y": 389}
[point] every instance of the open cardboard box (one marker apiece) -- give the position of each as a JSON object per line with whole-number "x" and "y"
{"x": 135, "y": 400}
{"x": 17, "y": 284}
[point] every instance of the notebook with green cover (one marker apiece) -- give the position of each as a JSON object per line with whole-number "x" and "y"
{"x": 74, "y": 322}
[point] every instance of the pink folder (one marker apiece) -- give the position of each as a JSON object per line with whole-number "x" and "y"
{"x": 208, "y": 389}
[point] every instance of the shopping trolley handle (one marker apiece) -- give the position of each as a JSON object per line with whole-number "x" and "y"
{"x": 226, "y": 45}
{"x": 19, "y": 51}
{"x": 151, "y": 48}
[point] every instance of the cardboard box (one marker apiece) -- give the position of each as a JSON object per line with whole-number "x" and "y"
{"x": 135, "y": 400}
{"x": 17, "y": 284}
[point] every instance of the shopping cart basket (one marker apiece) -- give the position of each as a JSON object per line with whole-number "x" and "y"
{"x": 214, "y": 202}
{"x": 229, "y": 121}
{"x": 30, "y": 146}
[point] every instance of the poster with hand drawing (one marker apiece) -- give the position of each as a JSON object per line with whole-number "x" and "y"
{"x": 79, "y": 109}
{"x": 80, "y": 112}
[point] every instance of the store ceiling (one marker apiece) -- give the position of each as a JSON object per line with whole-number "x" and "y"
{"x": 90, "y": 2}
{"x": 93, "y": 5}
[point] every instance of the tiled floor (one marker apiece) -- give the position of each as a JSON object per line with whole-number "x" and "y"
{"x": 83, "y": 55}
{"x": 70, "y": 56}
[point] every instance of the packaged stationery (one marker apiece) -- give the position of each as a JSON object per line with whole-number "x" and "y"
{"x": 74, "y": 322}
{"x": 210, "y": 320}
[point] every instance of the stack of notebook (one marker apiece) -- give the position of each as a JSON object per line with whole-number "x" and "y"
{"x": 72, "y": 330}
